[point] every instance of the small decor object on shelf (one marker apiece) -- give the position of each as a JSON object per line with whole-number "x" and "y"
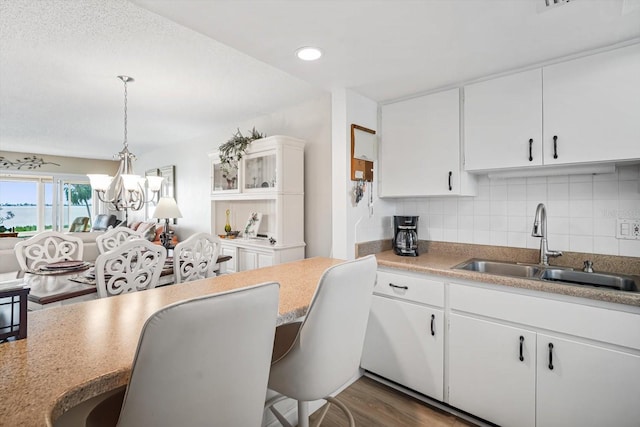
{"x": 227, "y": 226}
{"x": 232, "y": 151}
{"x": 253, "y": 224}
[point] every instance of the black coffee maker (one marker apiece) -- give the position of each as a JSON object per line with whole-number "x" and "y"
{"x": 405, "y": 235}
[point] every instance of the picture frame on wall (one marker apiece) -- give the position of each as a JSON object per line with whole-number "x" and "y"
{"x": 149, "y": 207}
{"x": 168, "y": 187}
{"x": 166, "y": 190}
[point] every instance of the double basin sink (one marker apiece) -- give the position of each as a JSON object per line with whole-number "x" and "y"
{"x": 560, "y": 275}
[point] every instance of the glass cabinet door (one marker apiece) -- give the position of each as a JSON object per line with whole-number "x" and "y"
{"x": 260, "y": 173}
{"x": 223, "y": 178}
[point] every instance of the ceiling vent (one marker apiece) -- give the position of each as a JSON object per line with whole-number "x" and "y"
{"x": 550, "y": 4}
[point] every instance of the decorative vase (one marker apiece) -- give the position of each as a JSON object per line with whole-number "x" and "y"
{"x": 227, "y": 226}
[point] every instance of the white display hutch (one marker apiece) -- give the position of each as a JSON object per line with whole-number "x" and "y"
{"x": 269, "y": 180}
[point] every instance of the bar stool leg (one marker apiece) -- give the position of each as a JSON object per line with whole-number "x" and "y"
{"x": 303, "y": 414}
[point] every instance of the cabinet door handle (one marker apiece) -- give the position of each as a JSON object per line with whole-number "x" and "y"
{"x": 550, "y": 356}
{"x": 530, "y": 149}
{"x": 521, "y": 345}
{"x": 433, "y": 320}
{"x": 450, "y": 174}
{"x": 398, "y": 287}
{"x": 555, "y": 146}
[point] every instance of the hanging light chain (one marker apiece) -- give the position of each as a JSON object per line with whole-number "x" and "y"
{"x": 126, "y": 144}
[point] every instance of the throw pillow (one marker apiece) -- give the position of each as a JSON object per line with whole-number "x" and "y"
{"x": 150, "y": 233}
{"x": 134, "y": 225}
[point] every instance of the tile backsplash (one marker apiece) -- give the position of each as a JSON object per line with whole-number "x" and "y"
{"x": 581, "y": 212}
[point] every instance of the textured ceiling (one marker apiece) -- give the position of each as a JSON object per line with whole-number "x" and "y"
{"x": 59, "y": 93}
{"x": 203, "y": 65}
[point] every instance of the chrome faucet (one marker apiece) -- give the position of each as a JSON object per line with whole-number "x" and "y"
{"x": 540, "y": 230}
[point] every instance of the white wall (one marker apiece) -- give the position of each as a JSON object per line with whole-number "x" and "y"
{"x": 581, "y": 212}
{"x": 354, "y": 223}
{"x": 310, "y": 121}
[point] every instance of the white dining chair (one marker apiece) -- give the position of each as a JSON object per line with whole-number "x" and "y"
{"x": 200, "y": 362}
{"x": 48, "y": 247}
{"x": 315, "y": 357}
{"x": 114, "y": 237}
{"x": 133, "y": 266}
{"x": 195, "y": 258}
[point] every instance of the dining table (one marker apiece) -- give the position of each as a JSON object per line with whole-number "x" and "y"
{"x": 75, "y": 352}
{"x": 52, "y": 288}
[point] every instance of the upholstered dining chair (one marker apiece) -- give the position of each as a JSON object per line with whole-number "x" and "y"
{"x": 195, "y": 258}
{"x": 48, "y": 247}
{"x": 315, "y": 357}
{"x": 133, "y": 266}
{"x": 114, "y": 237}
{"x": 200, "y": 362}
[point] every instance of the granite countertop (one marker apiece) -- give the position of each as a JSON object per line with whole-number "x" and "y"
{"x": 440, "y": 259}
{"x": 76, "y": 352}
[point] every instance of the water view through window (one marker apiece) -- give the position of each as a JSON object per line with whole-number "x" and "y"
{"x": 28, "y": 205}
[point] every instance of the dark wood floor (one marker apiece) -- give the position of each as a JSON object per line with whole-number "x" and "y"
{"x": 376, "y": 405}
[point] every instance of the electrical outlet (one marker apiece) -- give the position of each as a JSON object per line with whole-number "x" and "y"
{"x": 628, "y": 229}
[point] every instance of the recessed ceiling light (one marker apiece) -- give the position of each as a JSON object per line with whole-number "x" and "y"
{"x": 308, "y": 53}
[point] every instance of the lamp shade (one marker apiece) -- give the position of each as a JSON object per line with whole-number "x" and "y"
{"x": 167, "y": 208}
{"x": 100, "y": 182}
{"x": 154, "y": 182}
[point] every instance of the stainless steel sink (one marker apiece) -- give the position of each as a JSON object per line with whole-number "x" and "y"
{"x": 500, "y": 268}
{"x": 546, "y": 273}
{"x": 621, "y": 283}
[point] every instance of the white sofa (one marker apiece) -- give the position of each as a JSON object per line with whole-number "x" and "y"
{"x": 9, "y": 262}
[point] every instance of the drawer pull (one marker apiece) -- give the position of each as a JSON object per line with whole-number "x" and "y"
{"x": 398, "y": 287}
{"x": 433, "y": 320}
{"x": 521, "y": 344}
{"x": 550, "y": 356}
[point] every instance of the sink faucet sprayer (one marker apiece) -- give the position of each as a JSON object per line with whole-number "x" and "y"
{"x": 540, "y": 230}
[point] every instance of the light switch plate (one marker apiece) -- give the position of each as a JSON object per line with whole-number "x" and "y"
{"x": 628, "y": 229}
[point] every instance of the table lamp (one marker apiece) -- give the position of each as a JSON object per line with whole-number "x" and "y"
{"x": 167, "y": 209}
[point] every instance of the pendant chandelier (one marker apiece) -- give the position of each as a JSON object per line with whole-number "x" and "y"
{"x": 125, "y": 191}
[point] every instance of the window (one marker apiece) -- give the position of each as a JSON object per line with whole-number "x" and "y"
{"x": 76, "y": 202}
{"x": 29, "y": 204}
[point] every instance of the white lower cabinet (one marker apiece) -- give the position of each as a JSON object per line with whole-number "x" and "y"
{"x": 250, "y": 259}
{"x": 525, "y": 360}
{"x": 405, "y": 336}
{"x": 492, "y": 369}
{"x": 229, "y": 266}
{"x": 511, "y": 357}
{"x": 248, "y": 254}
{"x": 586, "y": 385}
{"x": 405, "y": 344}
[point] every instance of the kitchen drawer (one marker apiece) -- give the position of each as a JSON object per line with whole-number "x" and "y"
{"x": 605, "y": 325}
{"x": 410, "y": 287}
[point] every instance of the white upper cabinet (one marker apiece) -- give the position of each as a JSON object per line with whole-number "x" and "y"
{"x": 420, "y": 147}
{"x": 503, "y": 122}
{"x": 592, "y": 108}
{"x": 581, "y": 111}
{"x": 271, "y": 166}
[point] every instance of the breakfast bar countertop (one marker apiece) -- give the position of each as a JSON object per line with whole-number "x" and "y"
{"x": 441, "y": 263}
{"x": 76, "y": 352}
